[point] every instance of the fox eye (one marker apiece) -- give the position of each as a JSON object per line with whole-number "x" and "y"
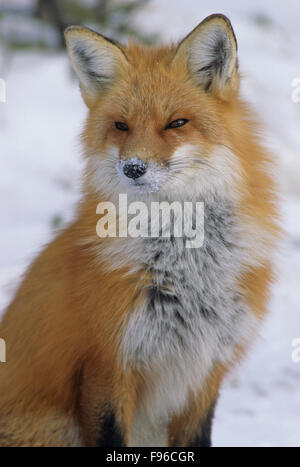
{"x": 121, "y": 126}
{"x": 177, "y": 123}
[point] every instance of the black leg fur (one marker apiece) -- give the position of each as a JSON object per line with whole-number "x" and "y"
{"x": 203, "y": 438}
{"x": 111, "y": 434}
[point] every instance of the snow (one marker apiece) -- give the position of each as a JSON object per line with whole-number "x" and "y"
{"x": 40, "y": 167}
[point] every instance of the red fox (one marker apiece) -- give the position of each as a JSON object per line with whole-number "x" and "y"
{"x": 125, "y": 340}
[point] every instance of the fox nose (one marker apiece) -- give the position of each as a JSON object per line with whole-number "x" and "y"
{"x": 134, "y": 168}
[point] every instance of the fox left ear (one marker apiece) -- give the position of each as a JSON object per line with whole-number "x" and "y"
{"x": 96, "y": 60}
{"x": 210, "y": 53}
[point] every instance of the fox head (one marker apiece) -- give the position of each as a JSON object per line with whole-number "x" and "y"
{"x": 161, "y": 120}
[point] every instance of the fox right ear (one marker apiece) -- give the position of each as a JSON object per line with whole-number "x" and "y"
{"x": 94, "y": 58}
{"x": 210, "y": 54}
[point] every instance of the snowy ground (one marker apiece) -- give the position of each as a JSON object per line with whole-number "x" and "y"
{"x": 40, "y": 164}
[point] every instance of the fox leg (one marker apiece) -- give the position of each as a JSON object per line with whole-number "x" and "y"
{"x": 192, "y": 428}
{"x": 202, "y": 438}
{"x": 107, "y": 406}
{"x": 101, "y": 426}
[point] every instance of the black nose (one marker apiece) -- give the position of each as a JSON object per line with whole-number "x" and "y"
{"x": 134, "y": 169}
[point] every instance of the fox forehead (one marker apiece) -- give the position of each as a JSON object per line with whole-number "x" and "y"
{"x": 151, "y": 86}
{"x": 147, "y": 57}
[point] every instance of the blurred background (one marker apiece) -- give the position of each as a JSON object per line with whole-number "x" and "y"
{"x": 40, "y": 165}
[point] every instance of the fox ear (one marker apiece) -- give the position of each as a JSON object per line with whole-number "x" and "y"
{"x": 94, "y": 58}
{"x": 210, "y": 53}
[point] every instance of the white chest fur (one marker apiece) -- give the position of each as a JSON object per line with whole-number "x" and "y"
{"x": 193, "y": 317}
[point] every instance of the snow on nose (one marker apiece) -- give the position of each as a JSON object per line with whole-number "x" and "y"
{"x": 134, "y": 168}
